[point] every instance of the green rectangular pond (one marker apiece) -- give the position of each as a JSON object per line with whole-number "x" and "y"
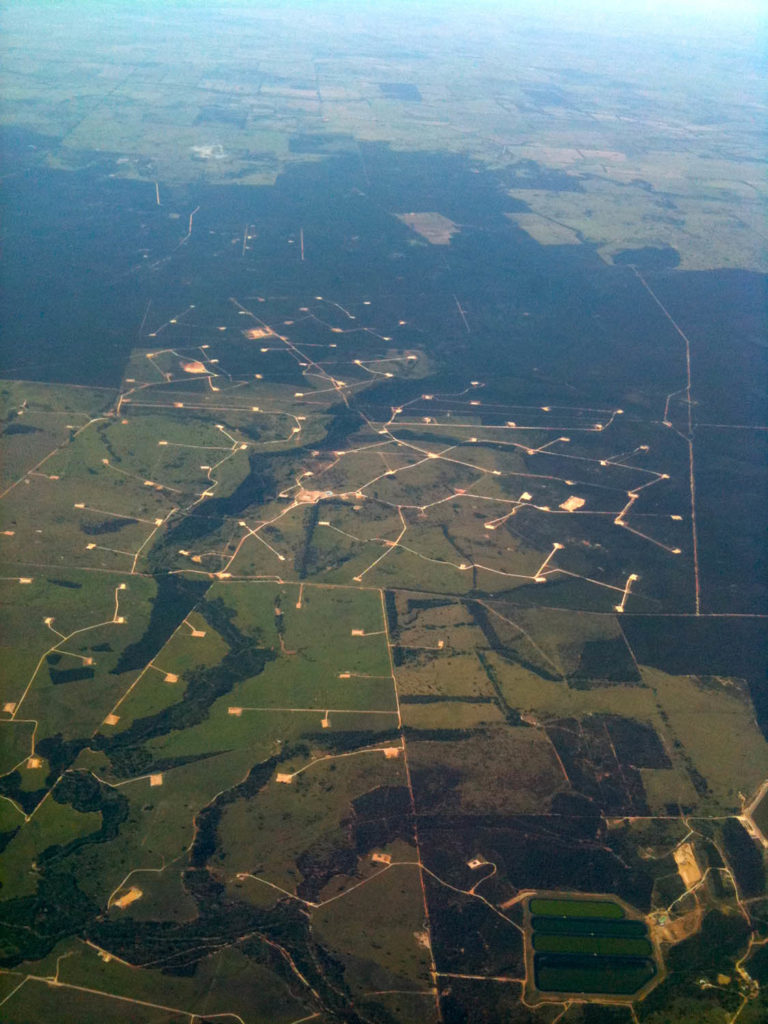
{"x": 602, "y": 927}
{"x": 592, "y": 944}
{"x": 544, "y": 907}
{"x": 599, "y": 974}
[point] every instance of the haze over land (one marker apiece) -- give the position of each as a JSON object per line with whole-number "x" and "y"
{"x": 383, "y": 497}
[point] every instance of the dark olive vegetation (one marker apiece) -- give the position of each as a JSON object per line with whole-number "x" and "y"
{"x": 206, "y": 836}
{"x": 343, "y": 740}
{"x": 757, "y": 965}
{"x": 636, "y": 743}
{"x": 465, "y": 1001}
{"x": 469, "y": 938}
{"x": 565, "y": 852}
{"x": 31, "y": 926}
{"x": 713, "y": 950}
{"x": 96, "y": 527}
{"x": 745, "y": 859}
{"x": 691, "y": 646}
{"x": 307, "y": 142}
{"x": 596, "y": 1014}
{"x": 587, "y": 750}
{"x": 68, "y": 584}
{"x": 400, "y": 91}
{"x": 6, "y": 837}
{"x": 390, "y": 605}
{"x": 649, "y": 258}
{"x": 604, "y": 661}
{"x": 760, "y": 815}
{"x": 20, "y": 428}
{"x": 311, "y": 516}
{"x": 608, "y": 975}
{"x": 70, "y": 675}
{"x": 10, "y": 786}
{"x": 380, "y": 817}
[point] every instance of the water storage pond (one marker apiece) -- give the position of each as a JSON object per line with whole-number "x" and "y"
{"x": 588, "y": 946}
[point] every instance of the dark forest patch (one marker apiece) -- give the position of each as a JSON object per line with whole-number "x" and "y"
{"x": 469, "y": 937}
{"x": 401, "y": 91}
{"x": 20, "y": 428}
{"x": 531, "y": 852}
{"x": 649, "y": 258}
{"x": 586, "y": 749}
{"x": 745, "y": 858}
{"x": 705, "y": 647}
{"x": 636, "y": 743}
{"x": 606, "y": 660}
{"x": 70, "y": 675}
{"x": 96, "y": 527}
{"x": 175, "y": 599}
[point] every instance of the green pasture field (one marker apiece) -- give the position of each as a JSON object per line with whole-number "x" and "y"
{"x": 86, "y": 507}
{"x": 11, "y": 816}
{"x": 15, "y": 743}
{"x": 164, "y": 897}
{"x": 464, "y": 714}
{"x": 76, "y": 708}
{"x": 334, "y": 632}
{"x": 528, "y": 691}
{"x": 718, "y": 731}
{"x": 161, "y": 821}
{"x": 715, "y": 728}
{"x": 37, "y": 1001}
{"x": 38, "y": 417}
{"x": 261, "y": 732}
{"x": 668, "y": 786}
{"x": 81, "y": 607}
{"x": 408, "y": 569}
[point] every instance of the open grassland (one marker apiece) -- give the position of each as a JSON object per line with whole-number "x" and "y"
{"x": 378, "y": 932}
{"x": 37, "y": 418}
{"x": 227, "y": 982}
{"x": 266, "y": 836}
